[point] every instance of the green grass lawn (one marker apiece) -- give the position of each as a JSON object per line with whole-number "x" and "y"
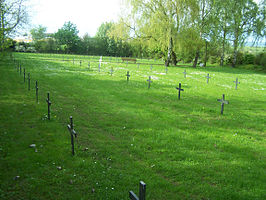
{"x": 182, "y": 149}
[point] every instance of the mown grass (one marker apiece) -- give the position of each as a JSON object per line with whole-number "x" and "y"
{"x": 126, "y": 132}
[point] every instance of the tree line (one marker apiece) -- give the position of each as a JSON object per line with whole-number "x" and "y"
{"x": 191, "y": 31}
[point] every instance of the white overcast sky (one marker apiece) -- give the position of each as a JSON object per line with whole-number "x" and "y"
{"x": 88, "y": 15}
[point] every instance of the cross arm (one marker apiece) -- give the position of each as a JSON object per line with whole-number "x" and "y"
{"x": 132, "y": 196}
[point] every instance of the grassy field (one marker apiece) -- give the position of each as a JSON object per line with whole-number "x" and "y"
{"x": 182, "y": 149}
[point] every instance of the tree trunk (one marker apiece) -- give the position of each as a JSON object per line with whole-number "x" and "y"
{"x": 174, "y": 61}
{"x": 206, "y": 53}
{"x": 170, "y": 49}
{"x": 235, "y": 49}
{"x": 223, "y": 48}
{"x": 196, "y": 59}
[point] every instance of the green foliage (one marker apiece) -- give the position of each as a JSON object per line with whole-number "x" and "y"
{"x": 38, "y": 33}
{"x": 68, "y": 35}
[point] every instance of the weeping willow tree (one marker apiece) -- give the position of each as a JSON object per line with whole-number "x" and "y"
{"x": 156, "y": 24}
{"x": 13, "y": 16}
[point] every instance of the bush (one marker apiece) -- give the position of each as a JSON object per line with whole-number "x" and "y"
{"x": 248, "y": 58}
{"x": 260, "y": 59}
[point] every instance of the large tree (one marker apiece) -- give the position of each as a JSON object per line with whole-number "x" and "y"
{"x": 68, "y": 37}
{"x": 13, "y": 15}
{"x": 38, "y": 33}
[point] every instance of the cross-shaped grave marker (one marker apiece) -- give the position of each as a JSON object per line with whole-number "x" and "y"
{"x": 89, "y": 64}
{"x": 127, "y": 75}
{"x": 72, "y": 132}
{"x": 24, "y": 75}
{"x": 142, "y": 192}
{"x": 185, "y": 74}
{"x": 208, "y": 77}
{"x": 149, "y": 80}
{"x": 179, "y": 90}
{"x": 29, "y": 81}
{"x": 166, "y": 70}
{"x": 36, "y": 87}
{"x": 236, "y": 82}
{"x": 80, "y": 62}
{"x": 223, "y": 101}
{"x": 111, "y": 71}
{"x": 99, "y": 67}
{"x": 48, "y": 104}
{"x": 151, "y": 68}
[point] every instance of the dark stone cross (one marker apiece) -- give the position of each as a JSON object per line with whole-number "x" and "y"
{"x": 179, "y": 89}
{"x": 29, "y": 81}
{"x": 142, "y": 192}
{"x": 127, "y": 75}
{"x": 236, "y": 82}
{"x": 36, "y": 87}
{"x": 72, "y": 132}
{"x": 48, "y": 104}
{"x": 80, "y": 62}
{"x": 223, "y": 101}
{"x": 149, "y": 80}
{"x": 185, "y": 74}
{"x": 24, "y": 75}
{"x": 111, "y": 71}
{"x": 208, "y": 77}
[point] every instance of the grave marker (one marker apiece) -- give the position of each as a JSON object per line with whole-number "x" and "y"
{"x": 48, "y": 104}
{"x": 111, "y": 71}
{"x": 80, "y": 62}
{"x": 36, "y": 87}
{"x": 185, "y": 74}
{"x": 73, "y": 61}
{"x": 151, "y": 68}
{"x": 72, "y": 132}
{"x": 236, "y": 82}
{"x": 99, "y": 67}
{"x": 29, "y": 81}
{"x": 149, "y": 80}
{"x": 166, "y": 70}
{"x": 223, "y": 101}
{"x": 89, "y": 64}
{"x": 127, "y": 75}
{"x": 179, "y": 90}
{"x": 138, "y": 66}
{"x": 142, "y": 192}
{"x": 208, "y": 77}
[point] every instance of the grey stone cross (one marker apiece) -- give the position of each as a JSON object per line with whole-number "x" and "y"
{"x": 236, "y": 82}
{"x": 166, "y": 70}
{"x": 151, "y": 68}
{"x": 142, "y": 192}
{"x": 72, "y": 133}
{"x": 149, "y": 80}
{"x": 127, "y": 75}
{"x": 208, "y": 77}
{"x": 179, "y": 90}
{"x": 223, "y": 101}
{"x": 111, "y": 71}
{"x": 185, "y": 74}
